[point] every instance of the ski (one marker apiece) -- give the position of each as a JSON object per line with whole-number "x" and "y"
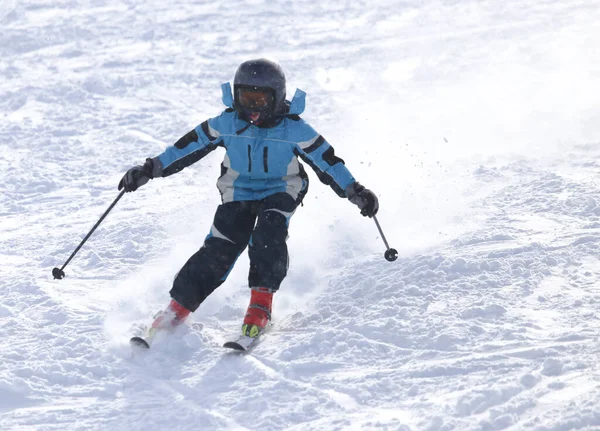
{"x": 243, "y": 343}
{"x": 139, "y": 342}
{"x": 143, "y": 343}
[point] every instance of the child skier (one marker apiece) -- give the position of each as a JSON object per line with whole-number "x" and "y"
{"x": 261, "y": 185}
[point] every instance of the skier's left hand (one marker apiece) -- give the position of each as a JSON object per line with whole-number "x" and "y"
{"x": 363, "y": 198}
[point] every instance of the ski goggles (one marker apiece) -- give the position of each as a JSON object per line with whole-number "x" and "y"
{"x": 255, "y": 99}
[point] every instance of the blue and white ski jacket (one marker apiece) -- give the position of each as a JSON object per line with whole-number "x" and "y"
{"x": 258, "y": 161}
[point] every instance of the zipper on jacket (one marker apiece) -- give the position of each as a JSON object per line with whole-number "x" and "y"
{"x": 266, "y": 159}
{"x": 249, "y": 158}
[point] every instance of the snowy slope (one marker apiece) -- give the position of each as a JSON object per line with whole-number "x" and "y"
{"x": 476, "y": 122}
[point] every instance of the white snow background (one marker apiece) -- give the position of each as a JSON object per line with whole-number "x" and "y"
{"x": 477, "y": 123}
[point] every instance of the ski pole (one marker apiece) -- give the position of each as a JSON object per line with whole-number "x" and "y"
{"x": 390, "y": 254}
{"x": 59, "y": 273}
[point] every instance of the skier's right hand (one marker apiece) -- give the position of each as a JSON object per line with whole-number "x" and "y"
{"x": 363, "y": 198}
{"x": 140, "y": 175}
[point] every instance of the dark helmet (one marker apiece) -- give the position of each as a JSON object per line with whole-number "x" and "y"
{"x": 260, "y": 75}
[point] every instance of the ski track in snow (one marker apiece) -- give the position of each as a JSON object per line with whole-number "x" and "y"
{"x": 476, "y": 123}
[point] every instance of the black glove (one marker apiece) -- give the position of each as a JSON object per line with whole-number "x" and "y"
{"x": 140, "y": 175}
{"x": 363, "y": 198}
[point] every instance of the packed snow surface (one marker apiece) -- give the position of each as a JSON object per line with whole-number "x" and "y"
{"x": 477, "y": 123}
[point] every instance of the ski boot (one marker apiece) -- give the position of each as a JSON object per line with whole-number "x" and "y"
{"x": 259, "y": 312}
{"x": 168, "y": 319}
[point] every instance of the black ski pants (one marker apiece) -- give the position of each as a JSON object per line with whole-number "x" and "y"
{"x": 262, "y": 225}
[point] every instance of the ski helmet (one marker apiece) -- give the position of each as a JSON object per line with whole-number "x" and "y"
{"x": 259, "y": 90}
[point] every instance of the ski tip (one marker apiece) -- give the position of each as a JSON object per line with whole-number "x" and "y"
{"x": 139, "y": 342}
{"x": 235, "y": 346}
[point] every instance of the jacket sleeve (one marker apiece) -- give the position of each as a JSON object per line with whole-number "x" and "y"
{"x": 320, "y": 156}
{"x": 190, "y": 148}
